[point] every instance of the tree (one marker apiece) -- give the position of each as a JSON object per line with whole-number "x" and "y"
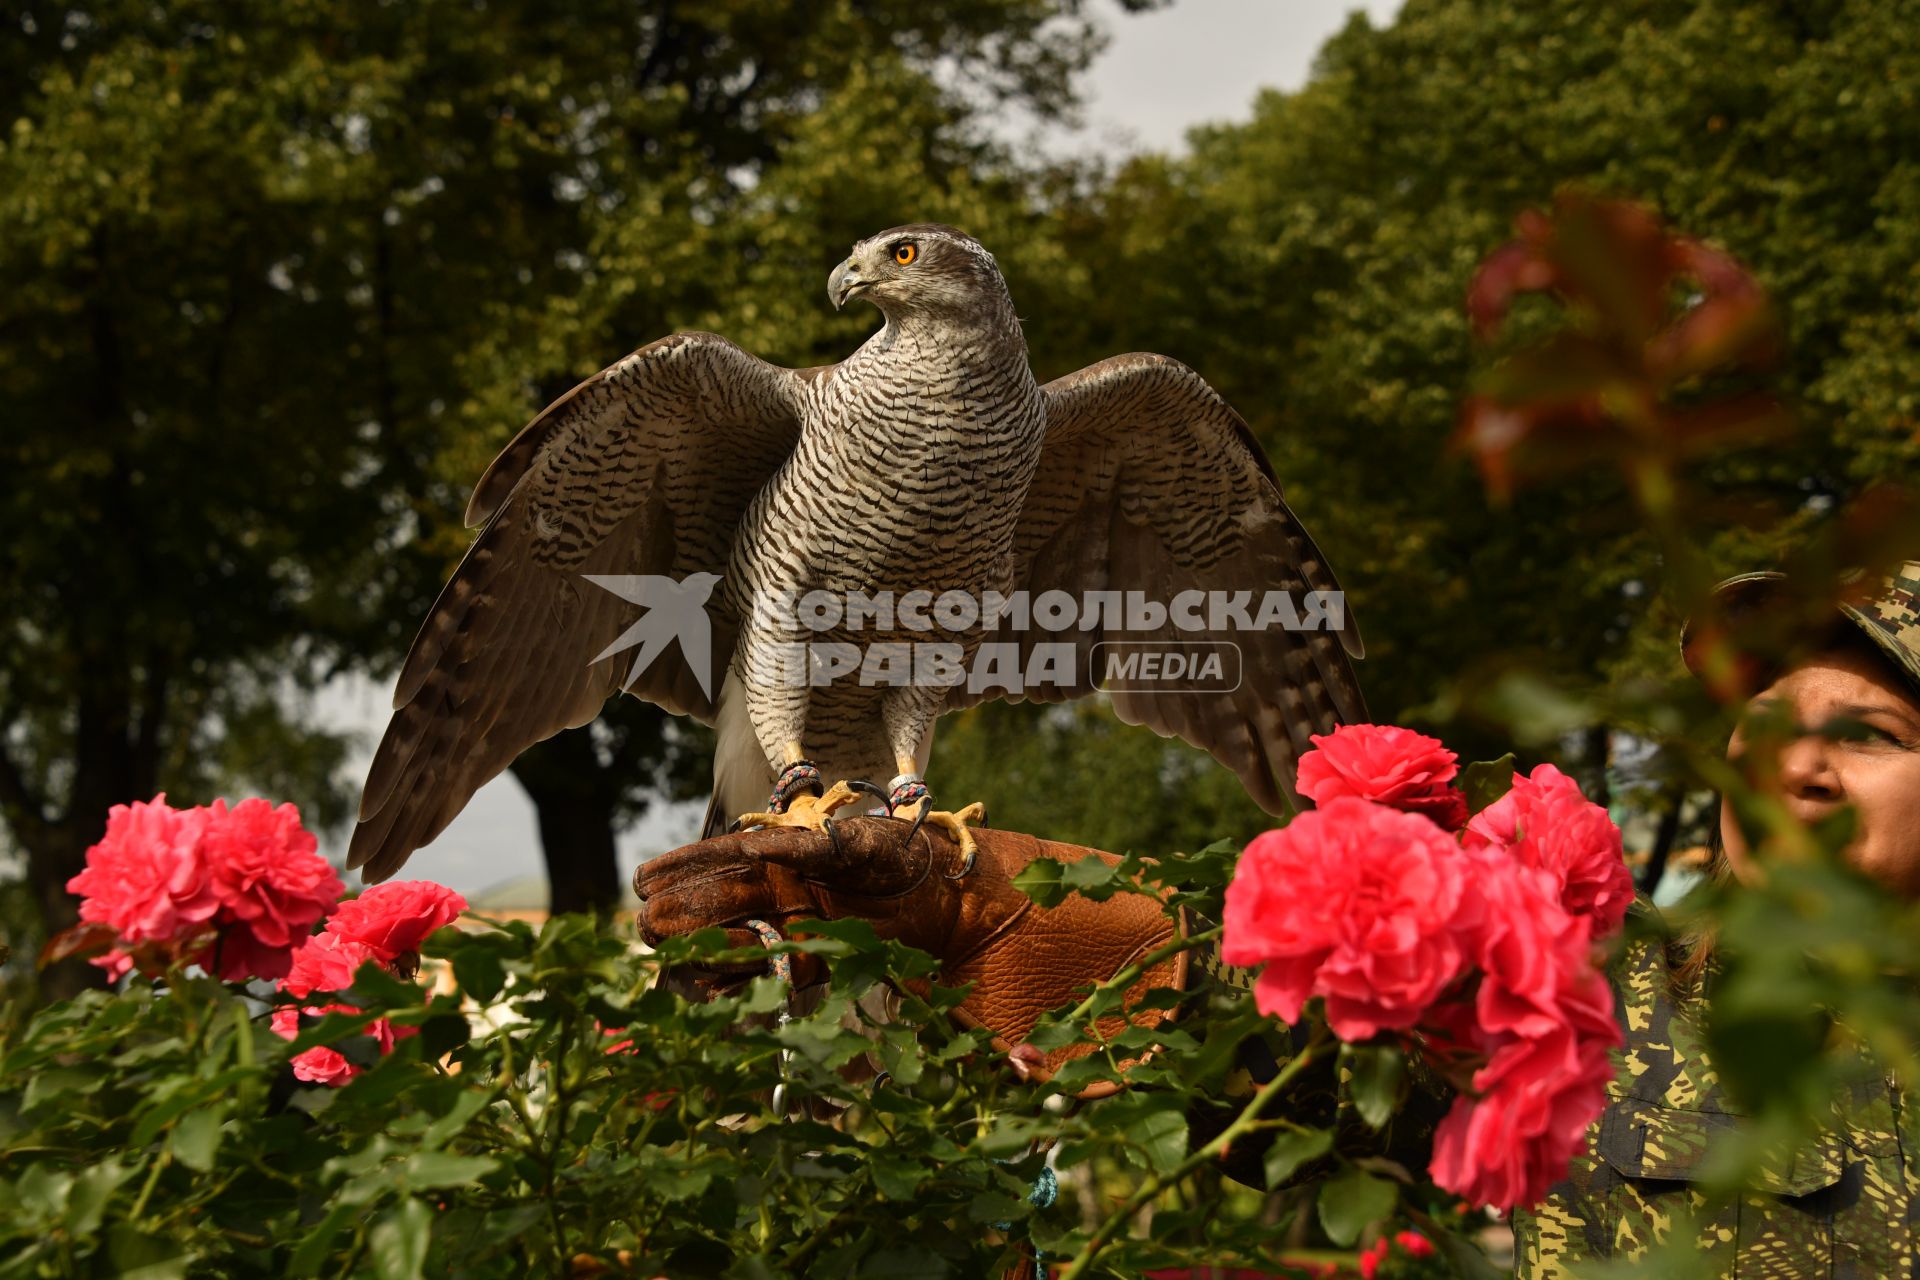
{"x": 1313, "y": 263}
{"x": 268, "y": 270}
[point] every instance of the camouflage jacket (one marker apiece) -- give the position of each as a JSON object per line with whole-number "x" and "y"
{"x": 1843, "y": 1207}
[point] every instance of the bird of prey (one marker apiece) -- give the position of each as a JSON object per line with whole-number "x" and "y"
{"x": 930, "y": 461}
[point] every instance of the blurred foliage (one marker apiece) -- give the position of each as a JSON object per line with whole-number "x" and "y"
{"x": 560, "y": 1114}
{"x": 1312, "y": 263}
{"x": 278, "y": 277}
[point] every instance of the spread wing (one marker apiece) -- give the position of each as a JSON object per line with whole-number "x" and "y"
{"x": 644, "y": 468}
{"x": 1150, "y": 483}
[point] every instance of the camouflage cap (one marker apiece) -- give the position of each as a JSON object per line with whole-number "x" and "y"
{"x": 1889, "y": 617}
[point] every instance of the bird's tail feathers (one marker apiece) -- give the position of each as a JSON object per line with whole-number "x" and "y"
{"x": 741, "y": 779}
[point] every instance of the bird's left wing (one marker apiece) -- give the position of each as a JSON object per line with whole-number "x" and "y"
{"x": 641, "y": 472}
{"x": 1151, "y": 485}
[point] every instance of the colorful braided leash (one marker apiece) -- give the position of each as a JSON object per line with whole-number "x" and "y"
{"x": 801, "y": 775}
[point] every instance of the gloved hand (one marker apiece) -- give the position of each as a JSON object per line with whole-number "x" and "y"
{"x": 1022, "y": 959}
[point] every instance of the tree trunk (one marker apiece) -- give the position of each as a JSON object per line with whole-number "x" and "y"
{"x": 583, "y": 871}
{"x": 1663, "y": 841}
{"x": 576, "y": 802}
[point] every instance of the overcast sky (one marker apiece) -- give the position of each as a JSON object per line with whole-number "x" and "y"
{"x": 1163, "y": 73}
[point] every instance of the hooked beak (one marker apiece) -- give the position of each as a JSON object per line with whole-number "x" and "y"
{"x": 843, "y": 282}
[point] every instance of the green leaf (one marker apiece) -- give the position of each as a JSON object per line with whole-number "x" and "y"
{"x": 1093, "y": 879}
{"x": 855, "y": 932}
{"x": 398, "y": 1242}
{"x": 425, "y": 1169}
{"x": 183, "y": 1096}
{"x": 1041, "y": 880}
{"x": 1291, "y": 1149}
{"x": 136, "y": 1255}
{"x": 196, "y": 1138}
{"x": 92, "y": 1190}
{"x": 1464, "y": 1256}
{"x": 313, "y": 1252}
{"x": 1352, "y": 1201}
{"x": 45, "y": 1189}
{"x": 55, "y": 1082}
{"x": 466, "y": 1105}
{"x": 1485, "y": 781}
{"x": 901, "y": 1055}
{"x": 1163, "y": 1136}
{"x": 1377, "y": 1081}
{"x": 996, "y": 1206}
{"x": 896, "y": 1177}
{"x": 479, "y": 972}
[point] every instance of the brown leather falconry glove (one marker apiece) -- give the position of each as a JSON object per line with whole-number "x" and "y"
{"x": 1022, "y": 959}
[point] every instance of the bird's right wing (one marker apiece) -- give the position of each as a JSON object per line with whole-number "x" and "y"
{"x": 1150, "y": 485}
{"x": 644, "y": 468}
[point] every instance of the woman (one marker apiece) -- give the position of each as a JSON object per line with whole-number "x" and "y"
{"x": 1845, "y": 1206}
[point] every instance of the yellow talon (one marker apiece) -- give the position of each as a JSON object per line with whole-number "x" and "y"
{"x": 955, "y": 825}
{"x": 809, "y": 811}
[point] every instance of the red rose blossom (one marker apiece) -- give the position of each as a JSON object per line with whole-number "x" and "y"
{"x": 1542, "y": 1023}
{"x": 1415, "y": 1244}
{"x": 393, "y": 919}
{"x": 1545, "y": 822}
{"x": 1538, "y": 1095}
{"x": 269, "y": 879}
{"x": 1353, "y": 902}
{"x": 326, "y": 962}
{"x": 144, "y": 878}
{"x": 1480, "y": 949}
{"x": 318, "y": 1065}
{"x": 1387, "y": 764}
{"x": 381, "y": 925}
{"x": 231, "y": 890}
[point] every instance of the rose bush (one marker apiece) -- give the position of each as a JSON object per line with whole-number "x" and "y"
{"x": 237, "y": 892}
{"x": 1477, "y": 950}
{"x": 1353, "y": 903}
{"x": 384, "y": 926}
{"x": 232, "y": 890}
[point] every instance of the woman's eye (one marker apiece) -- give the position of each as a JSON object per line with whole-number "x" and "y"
{"x": 905, "y": 252}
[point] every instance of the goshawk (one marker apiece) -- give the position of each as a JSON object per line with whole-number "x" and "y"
{"x": 928, "y": 466}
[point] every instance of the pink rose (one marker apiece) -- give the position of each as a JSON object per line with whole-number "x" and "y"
{"x": 1353, "y": 902}
{"x": 318, "y": 1065}
{"x": 231, "y": 890}
{"x": 1542, "y": 1024}
{"x": 321, "y": 1065}
{"x": 1387, "y": 764}
{"x": 1538, "y": 1096}
{"x": 381, "y": 925}
{"x": 327, "y": 962}
{"x": 1416, "y": 1245}
{"x": 270, "y": 881}
{"x": 1545, "y": 822}
{"x": 144, "y": 878}
{"x": 393, "y": 919}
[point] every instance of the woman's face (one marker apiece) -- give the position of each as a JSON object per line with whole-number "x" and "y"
{"x": 1878, "y": 773}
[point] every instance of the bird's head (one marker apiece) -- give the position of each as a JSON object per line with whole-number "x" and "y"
{"x": 922, "y": 267}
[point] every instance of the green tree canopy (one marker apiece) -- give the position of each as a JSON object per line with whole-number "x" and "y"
{"x": 276, "y": 275}
{"x": 1313, "y": 263}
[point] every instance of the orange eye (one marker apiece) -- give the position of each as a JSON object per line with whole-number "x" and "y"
{"x": 905, "y": 252}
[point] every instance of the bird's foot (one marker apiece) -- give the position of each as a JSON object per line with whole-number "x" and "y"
{"x": 910, "y": 793}
{"x": 814, "y": 812}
